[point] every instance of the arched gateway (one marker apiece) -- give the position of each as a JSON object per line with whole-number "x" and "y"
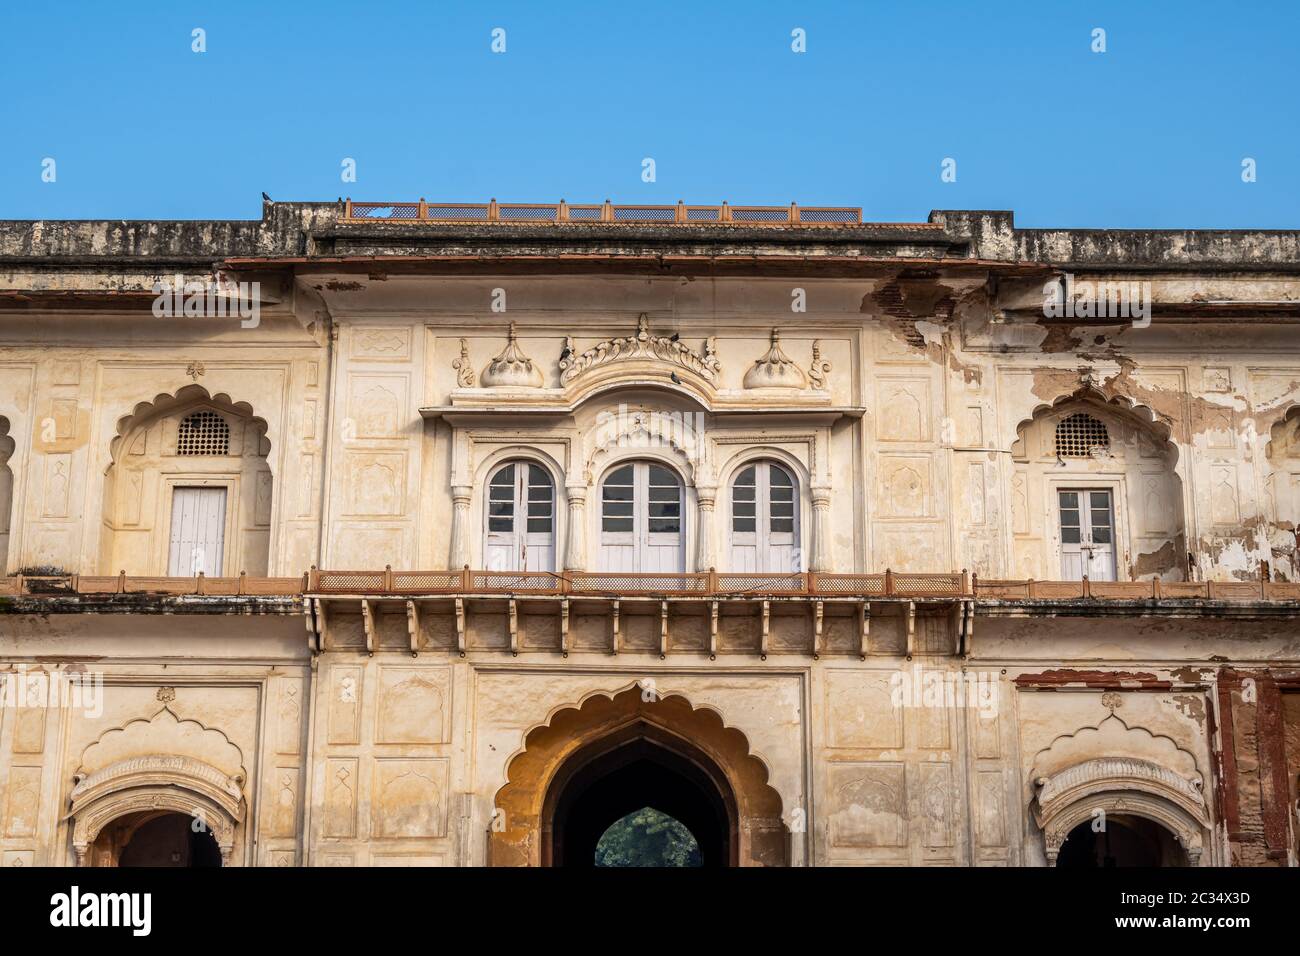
{"x": 595, "y": 763}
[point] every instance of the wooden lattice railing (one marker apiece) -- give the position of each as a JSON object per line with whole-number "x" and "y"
{"x": 45, "y": 585}
{"x": 887, "y": 584}
{"x": 606, "y": 212}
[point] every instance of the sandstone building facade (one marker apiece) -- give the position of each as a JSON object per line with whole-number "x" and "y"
{"x": 456, "y": 533}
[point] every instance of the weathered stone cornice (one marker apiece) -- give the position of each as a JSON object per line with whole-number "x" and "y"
{"x": 304, "y": 232}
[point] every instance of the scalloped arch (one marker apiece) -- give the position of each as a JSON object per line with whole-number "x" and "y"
{"x": 1291, "y": 414}
{"x": 610, "y": 452}
{"x": 153, "y": 731}
{"x": 164, "y": 403}
{"x": 701, "y": 733}
{"x": 1139, "y": 732}
{"x": 1143, "y": 416}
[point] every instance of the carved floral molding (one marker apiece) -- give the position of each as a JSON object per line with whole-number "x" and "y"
{"x": 1105, "y": 773}
{"x": 775, "y": 369}
{"x": 1120, "y": 785}
{"x": 464, "y": 370}
{"x": 512, "y": 368}
{"x": 643, "y": 346}
{"x": 820, "y": 367}
{"x": 156, "y": 782}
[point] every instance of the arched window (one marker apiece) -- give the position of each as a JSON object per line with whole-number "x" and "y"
{"x": 203, "y": 433}
{"x": 1081, "y": 436}
{"x": 520, "y": 517}
{"x": 641, "y": 528}
{"x": 765, "y": 520}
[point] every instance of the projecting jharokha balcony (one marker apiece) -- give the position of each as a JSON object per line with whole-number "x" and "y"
{"x": 599, "y": 584}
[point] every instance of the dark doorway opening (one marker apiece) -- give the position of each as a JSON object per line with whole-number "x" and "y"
{"x": 171, "y": 840}
{"x": 1126, "y": 841}
{"x": 606, "y": 782}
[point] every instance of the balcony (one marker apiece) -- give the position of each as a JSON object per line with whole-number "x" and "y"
{"x": 598, "y": 584}
{"x": 706, "y": 613}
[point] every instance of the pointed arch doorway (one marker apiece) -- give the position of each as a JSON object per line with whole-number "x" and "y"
{"x": 629, "y": 770}
{"x": 594, "y": 764}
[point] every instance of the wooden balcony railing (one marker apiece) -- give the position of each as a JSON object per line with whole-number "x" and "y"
{"x": 606, "y": 212}
{"x": 887, "y": 584}
{"x": 87, "y": 584}
{"x": 612, "y": 583}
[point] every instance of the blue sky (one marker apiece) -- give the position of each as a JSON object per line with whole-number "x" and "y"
{"x": 1150, "y": 133}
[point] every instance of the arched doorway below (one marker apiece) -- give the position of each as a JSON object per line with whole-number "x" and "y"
{"x": 1126, "y": 841}
{"x": 594, "y": 763}
{"x": 609, "y": 785}
{"x": 152, "y": 839}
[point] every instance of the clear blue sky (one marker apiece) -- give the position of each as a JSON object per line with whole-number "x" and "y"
{"x": 1150, "y": 133}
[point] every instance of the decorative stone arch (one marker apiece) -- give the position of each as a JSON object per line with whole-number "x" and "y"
{"x": 154, "y": 784}
{"x": 1143, "y": 468}
{"x": 145, "y": 465}
{"x": 643, "y": 358}
{"x": 661, "y": 441}
{"x": 186, "y": 399}
{"x": 1284, "y": 436}
{"x": 1121, "y": 785}
{"x": 153, "y": 765}
{"x": 1091, "y": 398}
{"x": 17, "y": 409}
{"x": 523, "y": 813}
{"x": 8, "y": 486}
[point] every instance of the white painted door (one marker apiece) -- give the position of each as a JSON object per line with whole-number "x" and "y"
{"x": 641, "y": 519}
{"x": 520, "y": 519}
{"x": 198, "y": 531}
{"x": 764, "y": 521}
{"x": 1087, "y": 534}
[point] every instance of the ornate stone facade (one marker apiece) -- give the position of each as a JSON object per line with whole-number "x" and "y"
{"x": 539, "y": 521}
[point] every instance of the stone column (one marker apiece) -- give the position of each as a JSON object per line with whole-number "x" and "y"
{"x": 706, "y": 496}
{"x": 460, "y": 544}
{"x": 575, "y": 548}
{"x": 821, "y": 537}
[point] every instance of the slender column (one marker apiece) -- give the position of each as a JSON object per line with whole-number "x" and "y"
{"x": 460, "y": 497}
{"x": 706, "y": 496}
{"x": 821, "y": 544}
{"x": 575, "y": 550}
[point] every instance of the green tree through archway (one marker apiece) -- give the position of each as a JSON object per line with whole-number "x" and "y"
{"x": 647, "y": 837}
